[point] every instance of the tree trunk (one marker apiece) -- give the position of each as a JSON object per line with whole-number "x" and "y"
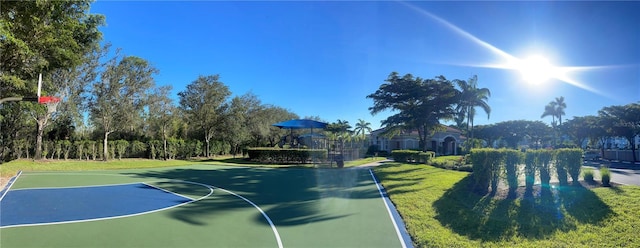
{"x": 105, "y": 149}
{"x": 207, "y": 151}
{"x": 42, "y": 123}
{"x": 164, "y": 142}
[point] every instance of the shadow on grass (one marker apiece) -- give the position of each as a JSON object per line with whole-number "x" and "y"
{"x": 288, "y": 196}
{"x": 536, "y": 215}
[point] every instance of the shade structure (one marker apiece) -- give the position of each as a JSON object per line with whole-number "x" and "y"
{"x": 301, "y": 124}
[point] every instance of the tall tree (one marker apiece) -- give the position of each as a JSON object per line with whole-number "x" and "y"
{"x": 560, "y": 105}
{"x": 550, "y": 110}
{"x": 470, "y": 97}
{"x": 161, "y": 114}
{"x": 42, "y": 37}
{"x": 362, "y": 127}
{"x": 239, "y": 118}
{"x": 119, "y": 97}
{"x": 204, "y": 104}
{"x": 419, "y": 104}
{"x": 579, "y": 128}
{"x": 623, "y": 121}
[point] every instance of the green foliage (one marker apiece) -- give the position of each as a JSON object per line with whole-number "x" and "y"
{"x": 512, "y": 158}
{"x": 482, "y": 169}
{"x": 79, "y": 145}
{"x": 587, "y": 174}
{"x": 531, "y": 165}
{"x": 121, "y": 148}
{"x": 605, "y": 174}
{"x": 439, "y": 211}
{"x": 138, "y": 149}
{"x": 571, "y": 160}
{"x": 425, "y": 157}
{"x": 404, "y": 155}
{"x": 544, "y": 165}
{"x": 275, "y": 155}
{"x": 419, "y": 103}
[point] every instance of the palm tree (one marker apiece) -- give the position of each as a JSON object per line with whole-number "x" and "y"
{"x": 471, "y": 97}
{"x": 550, "y": 110}
{"x": 560, "y": 106}
{"x": 362, "y": 127}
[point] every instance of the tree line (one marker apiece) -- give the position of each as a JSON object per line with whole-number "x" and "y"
{"x": 425, "y": 104}
{"x": 111, "y": 105}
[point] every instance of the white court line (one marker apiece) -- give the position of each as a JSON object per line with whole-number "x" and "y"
{"x": 273, "y": 227}
{"x": 395, "y": 225}
{"x": 77, "y": 187}
{"x": 170, "y": 192}
{"x": 120, "y": 216}
{"x": 11, "y": 182}
{"x": 211, "y": 188}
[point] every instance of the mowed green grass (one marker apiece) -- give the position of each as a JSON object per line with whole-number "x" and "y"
{"x": 439, "y": 211}
{"x": 12, "y": 168}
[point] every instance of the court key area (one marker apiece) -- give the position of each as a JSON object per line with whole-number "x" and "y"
{"x": 199, "y": 206}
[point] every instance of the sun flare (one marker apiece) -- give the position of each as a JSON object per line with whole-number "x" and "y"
{"x": 536, "y": 69}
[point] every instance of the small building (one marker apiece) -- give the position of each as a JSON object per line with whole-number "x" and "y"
{"x": 443, "y": 142}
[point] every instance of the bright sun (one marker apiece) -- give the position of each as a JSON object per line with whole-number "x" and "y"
{"x": 536, "y": 69}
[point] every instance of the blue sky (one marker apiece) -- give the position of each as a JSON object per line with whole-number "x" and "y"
{"x": 323, "y": 58}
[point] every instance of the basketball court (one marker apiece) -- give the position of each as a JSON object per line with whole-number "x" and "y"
{"x": 199, "y": 206}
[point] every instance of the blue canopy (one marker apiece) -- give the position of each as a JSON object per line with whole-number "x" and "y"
{"x": 300, "y": 124}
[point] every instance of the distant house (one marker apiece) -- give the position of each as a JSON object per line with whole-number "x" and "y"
{"x": 443, "y": 142}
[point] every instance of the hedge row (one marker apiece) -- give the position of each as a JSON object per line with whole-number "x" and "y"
{"x": 276, "y": 155}
{"x": 491, "y": 165}
{"x": 93, "y": 150}
{"x": 411, "y": 156}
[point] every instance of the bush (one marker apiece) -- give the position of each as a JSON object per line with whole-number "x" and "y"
{"x": 544, "y": 165}
{"x": 605, "y": 174}
{"x": 481, "y": 170}
{"x": 530, "y": 168}
{"x": 587, "y": 174}
{"x": 569, "y": 160}
{"x": 405, "y": 155}
{"x": 512, "y": 159}
{"x": 275, "y": 155}
{"x": 425, "y": 157}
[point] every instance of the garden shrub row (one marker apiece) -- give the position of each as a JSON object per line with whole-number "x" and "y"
{"x": 412, "y": 156}
{"x": 118, "y": 149}
{"x": 277, "y": 155}
{"x": 492, "y": 165}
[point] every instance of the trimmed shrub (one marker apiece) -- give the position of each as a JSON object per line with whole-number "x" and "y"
{"x": 570, "y": 159}
{"x": 530, "y": 167}
{"x": 587, "y": 174}
{"x": 481, "y": 170}
{"x": 512, "y": 159}
{"x": 544, "y": 165}
{"x": 404, "y": 155}
{"x": 605, "y": 174}
{"x": 496, "y": 159}
{"x": 425, "y": 157}
{"x": 138, "y": 149}
{"x": 275, "y": 155}
{"x": 121, "y": 148}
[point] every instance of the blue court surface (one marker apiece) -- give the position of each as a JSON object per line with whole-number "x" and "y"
{"x": 62, "y": 205}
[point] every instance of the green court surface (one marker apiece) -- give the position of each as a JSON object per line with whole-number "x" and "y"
{"x": 249, "y": 207}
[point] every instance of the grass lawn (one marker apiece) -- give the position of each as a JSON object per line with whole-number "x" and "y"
{"x": 439, "y": 211}
{"x": 11, "y": 168}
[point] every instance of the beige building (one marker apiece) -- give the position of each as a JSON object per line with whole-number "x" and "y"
{"x": 442, "y": 142}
